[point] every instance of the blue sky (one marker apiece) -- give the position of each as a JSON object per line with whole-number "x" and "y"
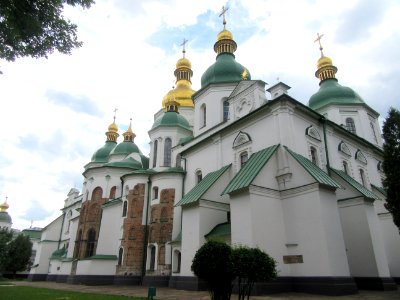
{"x": 55, "y": 111}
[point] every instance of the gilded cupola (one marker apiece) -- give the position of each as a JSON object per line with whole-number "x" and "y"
{"x": 182, "y": 92}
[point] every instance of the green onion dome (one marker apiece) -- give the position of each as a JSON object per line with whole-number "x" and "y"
{"x": 171, "y": 118}
{"x": 225, "y": 68}
{"x": 5, "y": 217}
{"x": 101, "y": 155}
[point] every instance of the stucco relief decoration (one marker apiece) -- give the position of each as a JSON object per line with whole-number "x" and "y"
{"x": 241, "y": 139}
{"x": 360, "y": 157}
{"x": 344, "y": 148}
{"x": 311, "y": 131}
{"x": 243, "y": 107}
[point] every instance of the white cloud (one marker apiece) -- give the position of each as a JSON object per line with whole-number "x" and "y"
{"x": 128, "y": 59}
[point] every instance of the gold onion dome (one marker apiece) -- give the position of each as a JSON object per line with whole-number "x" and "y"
{"x": 4, "y": 207}
{"x": 225, "y": 35}
{"x": 182, "y": 92}
{"x": 113, "y": 127}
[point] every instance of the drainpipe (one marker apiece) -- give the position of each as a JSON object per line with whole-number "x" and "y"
{"x": 62, "y": 226}
{"x": 328, "y": 166}
{"x": 145, "y": 240}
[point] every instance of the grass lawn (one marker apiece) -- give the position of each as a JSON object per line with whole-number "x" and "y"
{"x": 30, "y": 293}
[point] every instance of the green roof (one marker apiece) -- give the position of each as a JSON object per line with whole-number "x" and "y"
{"x": 250, "y": 170}
{"x": 112, "y": 202}
{"x": 331, "y": 92}
{"x": 225, "y": 69}
{"x": 319, "y": 175}
{"x": 195, "y": 193}
{"x": 102, "y": 154}
{"x": 221, "y": 230}
{"x": 185, "y": 140}
{"x": 32, "y": 233}
{"x": 102, "y": 257}
{"x": 171, "y": 119}
{"x": 125, "y": 148}
{"x": 355, "y": 184}
{"x": 5, "y": 217}
{"x": 59, "y": 253}
{"x": 126, "y": 163}
{"x": 178, "y": 238}
{"x": 380, "y": 189}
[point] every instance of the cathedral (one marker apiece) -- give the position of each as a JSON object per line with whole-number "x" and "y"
{"x": 233, "y": 163}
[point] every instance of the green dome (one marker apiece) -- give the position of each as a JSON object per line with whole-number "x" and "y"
{"x": 126, "y": 163}
{"x": 171, "y": 118}
{"x": 5, "y": 217}
{"x": 225, "y": 69}
{"x": 331, "y": 92}
{"x": 125, "y": 148}
{"x": 101, "y": 155}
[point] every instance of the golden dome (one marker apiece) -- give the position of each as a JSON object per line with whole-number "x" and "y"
{"x": 324, "y": 61}
{"x": 183, "y": 63}
{"x": 113, "y": 127}
{"x": 4, "y": 207}
{"x": 225, "y": 35}
{"x": 182, "y": 94}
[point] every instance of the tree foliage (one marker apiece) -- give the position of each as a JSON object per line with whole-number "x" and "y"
{"x": 251, "y": 265}
{"x": 213, "y": 263}
{"x": 36, "y": 28}
{"x": 19, "y": 254}
{"x": 5, "y": 238}
{"x": 391, "y": 163}
{"x": 218, "y": 265}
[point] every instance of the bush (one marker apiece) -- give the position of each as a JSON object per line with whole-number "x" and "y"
{"x": 213, "y": 264}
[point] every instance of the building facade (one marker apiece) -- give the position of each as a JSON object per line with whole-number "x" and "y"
{"x": 231, "y": 163}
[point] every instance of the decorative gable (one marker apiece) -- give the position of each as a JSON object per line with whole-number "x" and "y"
{"x": 241, "y": 139}
{"x": 311, "y": 131}
{"x": 342, "y": 147}
{"x": 360, "y": 157}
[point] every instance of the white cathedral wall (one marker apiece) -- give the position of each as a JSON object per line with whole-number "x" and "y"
{"x": 391, "y": 238}
{"x": 72, "y": 236}
{"x": 196, "y": 223}
{"x": 111, "y": 226}
{"x": 105, "y": 178}
{"x": 365, "y": 250}
{"x": 96, "y": 267}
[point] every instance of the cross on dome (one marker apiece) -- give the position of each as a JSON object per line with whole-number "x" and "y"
{"x": 318, "y": 39}
{"x": 223, "y": 12}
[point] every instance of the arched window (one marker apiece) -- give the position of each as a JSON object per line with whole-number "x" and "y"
{"x": 350, "y": 126}
{"x": 155, "y": 192}
{"x": 199, "y": 176}
{"x": 112, "y": 192}
{"x": 91, "y": 242}
{"x": 203, "y": 116}
{"x": 345, "y": 167}
{"x": 125, "y": 208}
{"x": 120, "y": 255}
{"x": 244, "y": 156}
{"x": 167, "y": 152}
{"x": 155, "y": 150}
{"x": 78, "y": 244}
{"x": 152, "y": 258}
{"x": 226, "y": 110}
{"x": 97, "y": 194}
{"x": 178, "y": 160}
{"x": 177, "y": 261}
{"x": 314, "y": 155}
{"x": 362, "y": 177}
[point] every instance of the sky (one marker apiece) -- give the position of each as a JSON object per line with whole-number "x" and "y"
{"x": 55, "y": 111}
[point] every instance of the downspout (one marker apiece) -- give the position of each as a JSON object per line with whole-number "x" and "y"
{"x": 328, "y": 166}
{"x": 145, "y": 240}
{"x": 62, "y": 226}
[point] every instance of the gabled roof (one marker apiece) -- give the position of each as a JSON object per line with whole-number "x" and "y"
{"x": 359, "y": 187}
{"x": 221, "y": 230}
{"x": 250, "y": 170}
{"x": 195, "y": 193}
{"x": 319, "y": 175}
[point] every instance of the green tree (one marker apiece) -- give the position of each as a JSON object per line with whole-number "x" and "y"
{"x": 36, "y": 28}
{"x": 5, "y": 238}
{"x": 251, "y": 265}
{"x": 213, "y": 264}
{"x": 391, "y": 163}
{"x": 19, "y": 254}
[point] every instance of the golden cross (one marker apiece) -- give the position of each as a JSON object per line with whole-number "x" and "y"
{"x": 318, "y": 39}
{"x": 6, "y": 199}
{"x": 183, "y": 45}
{"x": 223, "y": 12}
